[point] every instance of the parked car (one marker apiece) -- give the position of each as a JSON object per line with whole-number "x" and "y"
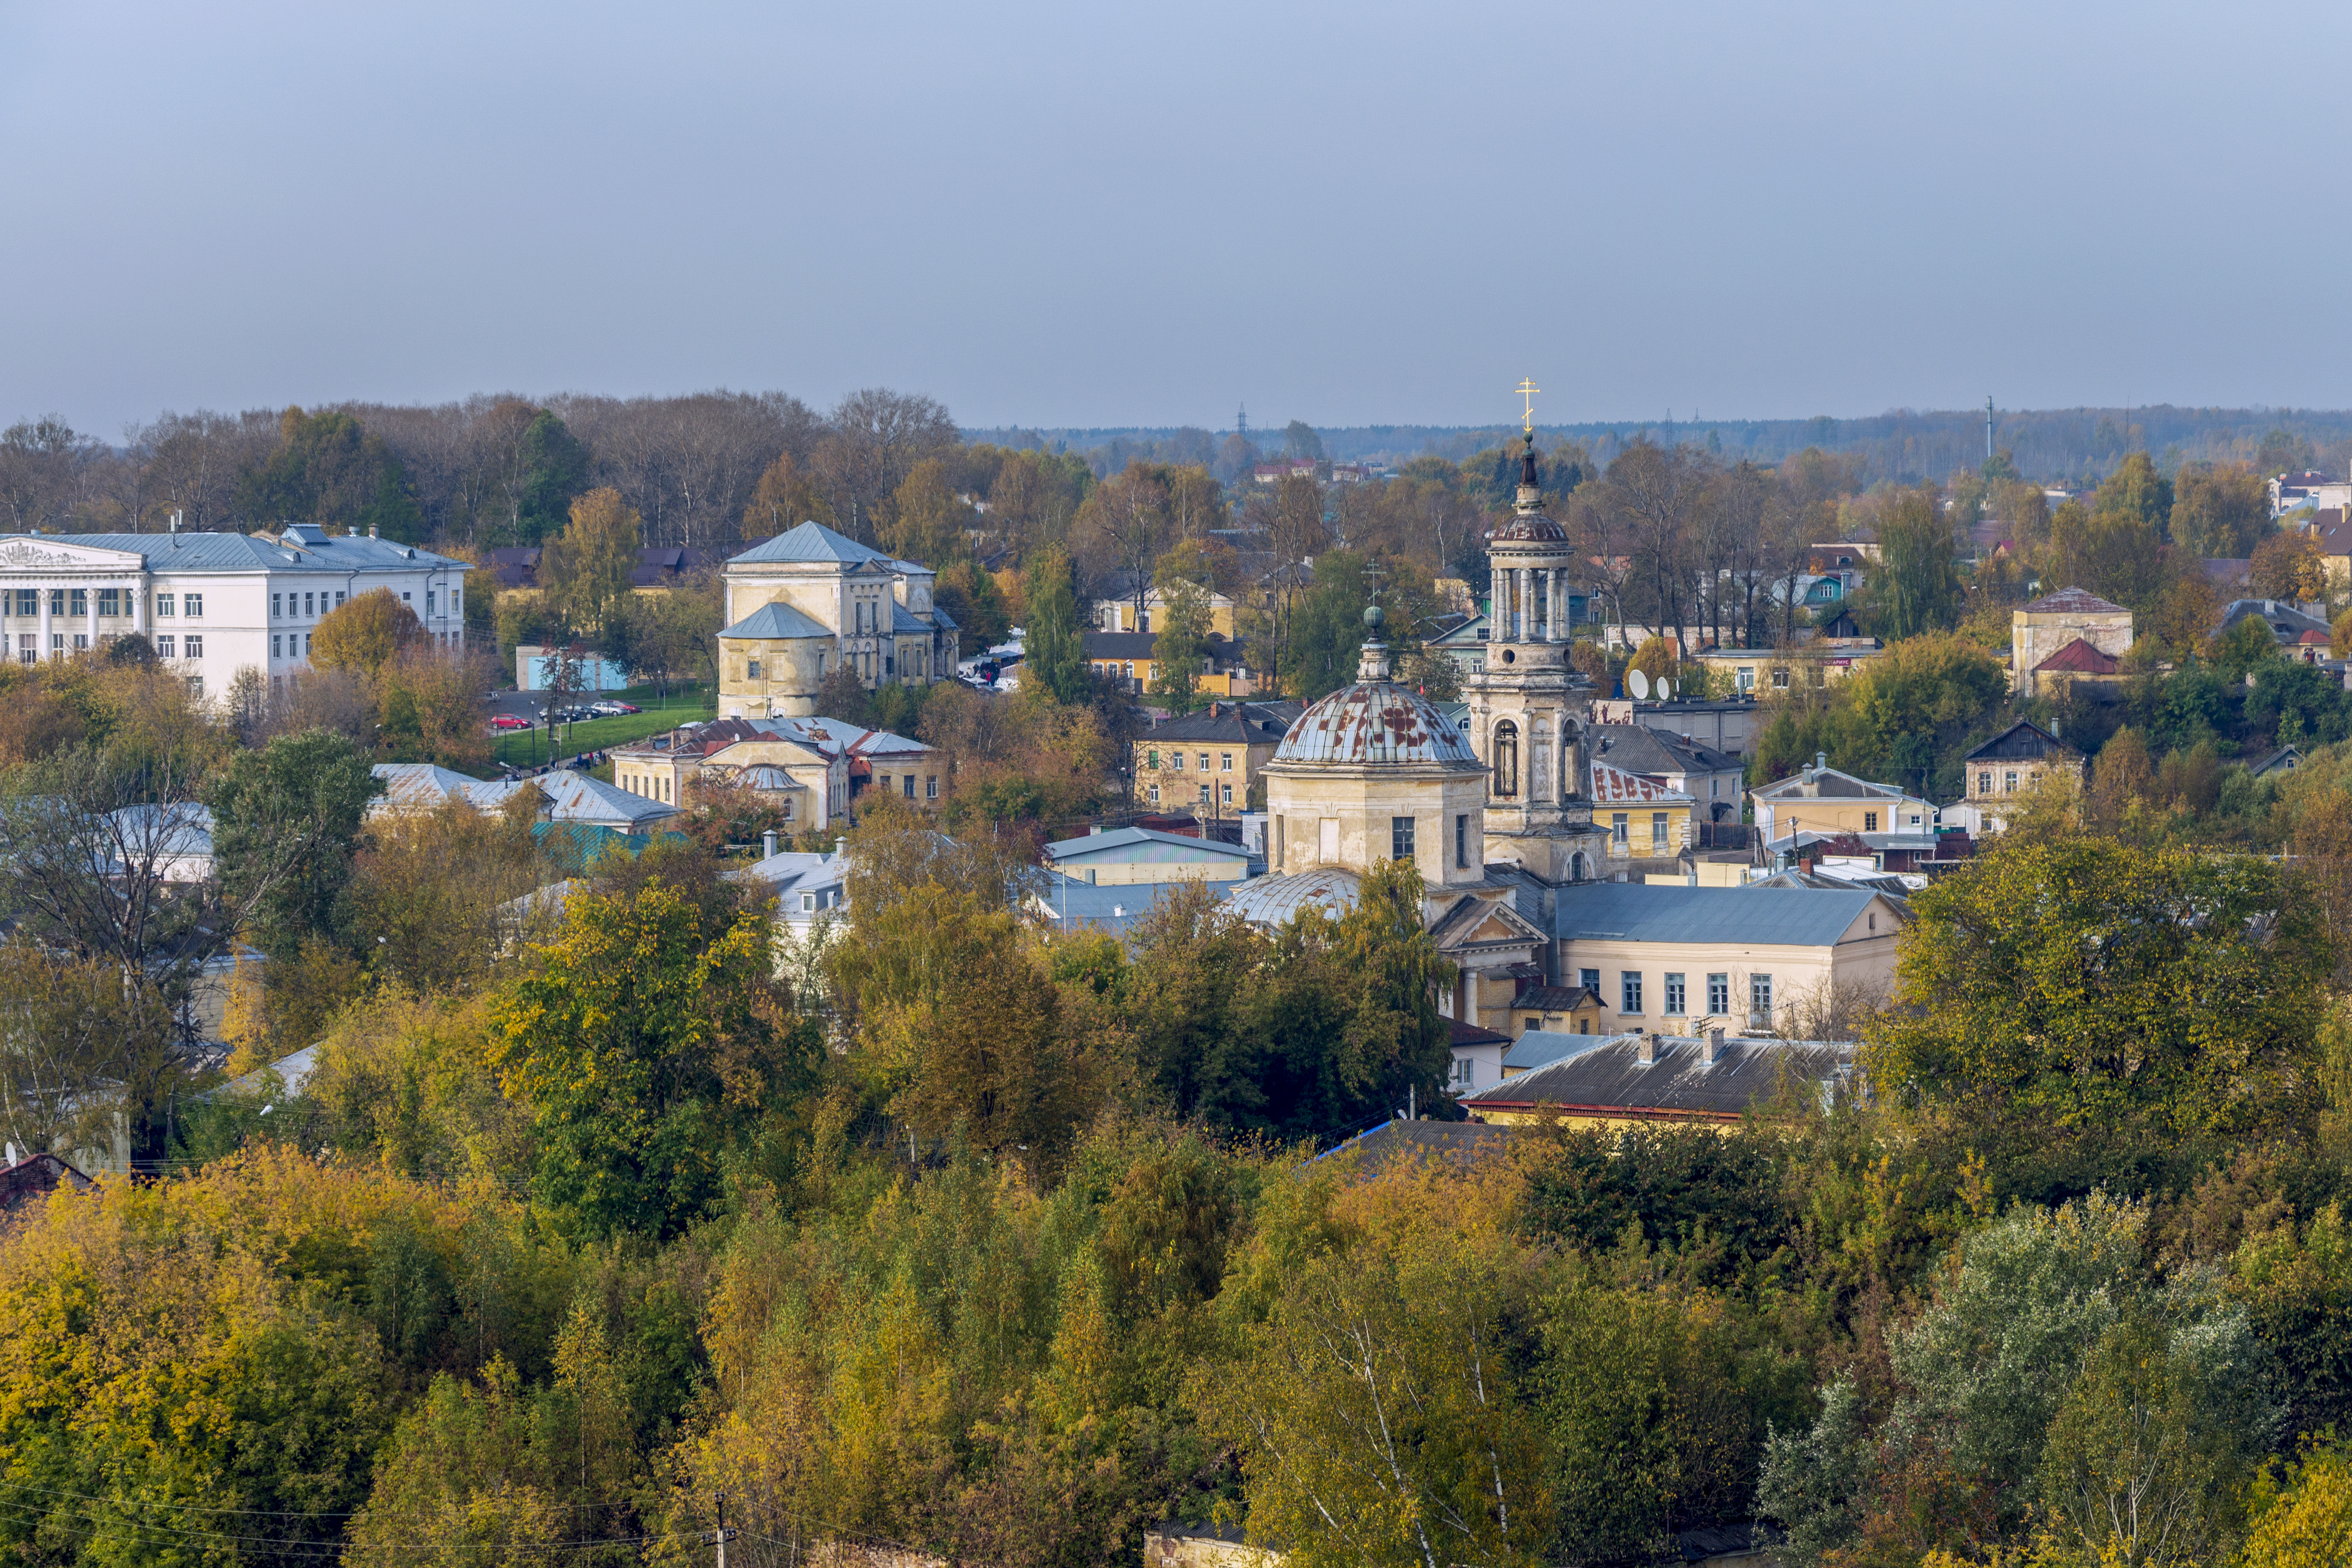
{"x": 611, "y": 709}
{"x": 508, "y": 721}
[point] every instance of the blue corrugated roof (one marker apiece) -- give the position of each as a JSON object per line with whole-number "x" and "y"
{"x": 775, "y": 620}
{"x": 1112, "y": 908}
{"x": 811, "y": 542}
{"x": 1778, "y": 917}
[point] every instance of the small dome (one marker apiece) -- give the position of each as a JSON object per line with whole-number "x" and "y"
{"x": 1532, "y": 526}
{"x": 1376, "y": 722}
{"x": 1272, "y": 900}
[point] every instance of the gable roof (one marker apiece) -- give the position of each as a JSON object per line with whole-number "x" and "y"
{"x": 1639, "y": 749}
{"x": 1542, "y": 1048}
{"x": 1679, "y": 1081}
{"x": 2078, "y": 657}
{"x": 579, "y": 798}
{"x": 810, "y": 540}
{"x": 1143, "y": 845}
{"x": 1249, "y": 724}
{"x": 1831, "y": 784}
{"x": 1750, "y": 917}
{"x": 2287, "y": 624}
{"x": 427, "y": 786}
{"x": 2022, "y": 740}
{"x": 2072, "y": 602}
{"x": 776, "y": 620}
{"x": 1614, "y": 783}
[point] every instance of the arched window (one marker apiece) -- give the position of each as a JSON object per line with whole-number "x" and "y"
{"x": 1506, "y": 761}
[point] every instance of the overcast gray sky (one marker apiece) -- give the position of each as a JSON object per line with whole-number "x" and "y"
{"x": 1052, "y": 214}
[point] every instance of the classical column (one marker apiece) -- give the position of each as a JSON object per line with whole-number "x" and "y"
{"x": 42, "y": 648}
{"x": 139, "y": 605}
{"x": 1556, "y": 596}
{"x": 1498, "y": 606}
{"x": 90, "y": 606}
{"x": 1524, "y": 595}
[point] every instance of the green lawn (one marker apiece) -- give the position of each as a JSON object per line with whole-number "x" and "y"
{"x": 525, "y": 749}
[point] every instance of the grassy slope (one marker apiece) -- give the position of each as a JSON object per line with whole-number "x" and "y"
{"x": 527, "y": 749}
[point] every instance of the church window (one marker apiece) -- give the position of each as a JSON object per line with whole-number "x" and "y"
{"x": 1507, "y": 760}
{"x": 1462, "y": 840}
{"x": 1674, "y": 995}
{"x": 1629, "y": 986}
{"x": 1399, "y": 837}
{"x": 889, "y": 664}
{"x": 1718, "y": 994}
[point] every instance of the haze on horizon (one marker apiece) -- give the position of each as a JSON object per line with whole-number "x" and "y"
{"x": 1069, "y": 216}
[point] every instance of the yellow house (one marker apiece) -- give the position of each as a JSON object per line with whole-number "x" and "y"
{"x": 2040, "y": 630}
{"x": 1207, "y": 759}
{"x": 1128, "y": 660}
{"x": 1822, "y": 800}
{"x": 812, "y": 782}
{"x": 2014, "y": 763}
{"x": 1645, "y": 819}
{"x": 1688, "y": 959}
{"x": 1561, "y": 1009}
{"x": 1121, "y": 615}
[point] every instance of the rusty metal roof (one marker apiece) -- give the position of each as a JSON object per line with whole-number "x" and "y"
{"x": 1376, "y": 722}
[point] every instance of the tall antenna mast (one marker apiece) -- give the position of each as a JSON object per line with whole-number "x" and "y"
{"x": 1988, "y": 429}
{"x": 1241, "y": 422}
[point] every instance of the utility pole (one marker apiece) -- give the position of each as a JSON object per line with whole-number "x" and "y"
{"x": 722, "y": 1535}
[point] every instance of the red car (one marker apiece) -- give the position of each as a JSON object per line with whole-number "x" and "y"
{"x": 508, "y": 721}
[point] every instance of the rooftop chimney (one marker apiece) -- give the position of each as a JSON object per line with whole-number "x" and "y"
{"x": 768, "y": 845}
{"x": 371, "y": 531}
{"x": 1645, "y": 1050}
{"x": 1713, "y": 1049}
{"x": 840, "y": 847}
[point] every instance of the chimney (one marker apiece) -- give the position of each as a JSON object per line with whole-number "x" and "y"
{"x": 840, "y": 847}
{"x": 1713, "y": 1049}
{"x": 1119, "y": 912}
{"x": 371, "y": 531}
{"x": 768, "y": 845}
{"x": 1093, "y": 828}
{"x": 1645, "y": 1050}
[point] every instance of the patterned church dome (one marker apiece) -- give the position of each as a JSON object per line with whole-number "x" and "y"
{"x": 1376, "y": 722}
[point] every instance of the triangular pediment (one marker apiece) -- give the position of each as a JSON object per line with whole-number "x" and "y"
{"x": 1477, "y": 922}
{"x": 21, "y": 554}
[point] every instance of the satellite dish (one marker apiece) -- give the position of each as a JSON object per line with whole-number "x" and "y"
{"x": 1665, "y": 690}
{"x": 1637, "y": 683}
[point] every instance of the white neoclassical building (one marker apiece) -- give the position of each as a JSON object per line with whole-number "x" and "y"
{"x": 212, "y": 603}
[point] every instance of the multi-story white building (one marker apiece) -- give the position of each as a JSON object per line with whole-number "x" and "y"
{"x": 212, "y": 603}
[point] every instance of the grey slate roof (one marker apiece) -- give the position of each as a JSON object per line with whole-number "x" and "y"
{"x": 1638, "y": 748}
{"x": 1830, "y": 785}
{"x": 1542, "y": 1048}
{"x": 1751, "y": 917}
{"x": 775, "y": 620}
{"x": 1611, "y": 1077}
{"x": 311, "y": 551}
{"x": 1237, "y": 722}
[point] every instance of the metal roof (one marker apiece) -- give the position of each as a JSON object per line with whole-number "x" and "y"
{"x": 1272, "y": 900}
{"x": 1612, "y": 1077}
{"x": 1542, "y": 1048}
{"x": 1377, "y": 723}
{"x": 1110, "y": 906}
{"x": 775, "y": 620}
{"x": 311, "y": 551}
{"x": 1123, "y": 844}
{"x": 579, "y": 798}
{"x": 812, "y": 541}
{"x": 1750, "y": 917}
{"x": 2072, "y": 602}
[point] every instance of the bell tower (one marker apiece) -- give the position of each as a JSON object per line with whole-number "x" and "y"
{"x": 1530, "y": 708}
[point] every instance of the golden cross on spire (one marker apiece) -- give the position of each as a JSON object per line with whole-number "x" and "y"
{"x": 1527, "y": 389}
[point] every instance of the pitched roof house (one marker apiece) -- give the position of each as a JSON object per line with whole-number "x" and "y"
{"x": 1711, "y": 1081}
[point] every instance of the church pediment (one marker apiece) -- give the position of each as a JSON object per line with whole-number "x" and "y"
{"x": 22, "y": 554}
{"x": 1482, "y": 923}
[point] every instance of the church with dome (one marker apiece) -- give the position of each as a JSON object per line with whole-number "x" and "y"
{"x": 1494, "y": 819}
